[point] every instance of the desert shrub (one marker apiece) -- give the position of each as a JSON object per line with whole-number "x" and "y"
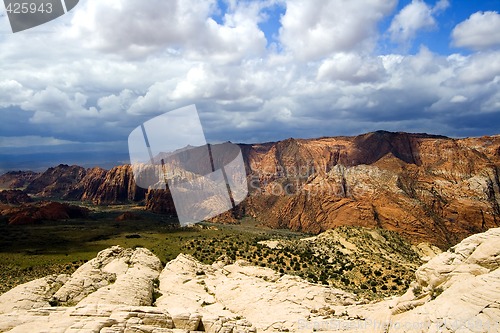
{"x": 54, "y": 302}
{"x": 417, "y": 290}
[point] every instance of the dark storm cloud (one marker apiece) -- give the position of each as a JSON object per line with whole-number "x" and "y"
{"x": 113, "y": 65}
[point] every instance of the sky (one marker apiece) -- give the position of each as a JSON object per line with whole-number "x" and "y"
{"x": 72, "y": 90}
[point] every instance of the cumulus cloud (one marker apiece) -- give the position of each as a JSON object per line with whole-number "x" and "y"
{"x": 181, "y": 25}
{"x": 352, "y": 68}
{"x": 479, "y": 32}
{"x": 13, "y": 93}
{"x": 313, "y": 29}
{"x": 414, "y": 17}
{"x": 480, "y": 68}
{"x": 47, "y": 103}
{"x": 458, "y": 99}
{"x": 107, "y": 70}
{"x": 115, "y": 105}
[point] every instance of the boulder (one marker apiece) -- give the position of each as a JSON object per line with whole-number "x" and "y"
{"x": 456, "y": 291}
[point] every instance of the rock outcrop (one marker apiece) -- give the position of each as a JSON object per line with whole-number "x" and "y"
{"x": 115, "y": 292}
{"x": 118, "y": 186}
{"x": 56, "y": 182}
{"x": 125, "y": 290}
{"x": 96, "y": 185}
{"x": 428, "y": 188}
{"x": 14, "y": 197}
{"x": 88, "y": 186}
{"x": 42, "y": 211}
{"x": 31, "y": 295}
{"x": 458, "y": 290}
{"x": 263, "y": 297}
{"x": 115, "y": 276}
{"x": 16, "y": 179}
{"x": 160, "y": 201}
{"x": 107, "y": 187}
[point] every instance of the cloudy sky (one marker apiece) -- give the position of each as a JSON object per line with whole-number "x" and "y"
{"x": 73, "y": 89}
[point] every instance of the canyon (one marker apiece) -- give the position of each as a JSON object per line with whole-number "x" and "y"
{"x": 425, "y": 187}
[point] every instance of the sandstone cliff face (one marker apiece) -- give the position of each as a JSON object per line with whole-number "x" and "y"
{"x": 88, "y": 186}
{"x": 14, "y": 197}
{"x": 426, "y": 187}
{"x": 107, "y": 187}
{"x": 119, "y": 186}
{"x": 16, "y": 179}
{"x": 160, "y": 201}
{"x": 57, "y": 181}
{"x": 42, "y": 211}
{"x": 97, "y": 185}
{"x": 125, "y": 290}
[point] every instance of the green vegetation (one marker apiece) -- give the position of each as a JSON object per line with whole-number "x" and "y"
{"x": 33, "y": 251}
{"x": 29, "y": 252}
{"x": 385, "y": 267}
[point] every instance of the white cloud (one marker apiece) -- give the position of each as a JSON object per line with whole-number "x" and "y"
{"x": 182, "y": 25}
{"x": 141, "y": 28}
{"x": 110, "y": 73}
{"x": 414, "y": 17}
{"x": 351, "y": 67}
{"x": 314, "y": 29}
{"x": 50, "y": 102}
{"x": 479, "y": 68}
{"x": 441, "y": 6}
{"x": 13, "y": 93}
{"x": 458, "y": 99}
{"x": 479, "y": 32}
{"x": 115, "y": 105}
{"x": 31, "y": 140}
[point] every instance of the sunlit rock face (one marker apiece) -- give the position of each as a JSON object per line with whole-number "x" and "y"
{"x": 127, "y": 290}
{"x": 428, "y": 188}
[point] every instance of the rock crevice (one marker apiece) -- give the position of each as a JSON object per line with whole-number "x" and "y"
{"x": 454, "y": 291}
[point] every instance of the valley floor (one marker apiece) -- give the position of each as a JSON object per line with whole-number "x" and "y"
{"x": 374, "y": 264}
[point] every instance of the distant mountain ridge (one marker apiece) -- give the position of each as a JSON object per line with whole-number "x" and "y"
{"x": 16, "y": 179}
{"x": 426, "y": 187}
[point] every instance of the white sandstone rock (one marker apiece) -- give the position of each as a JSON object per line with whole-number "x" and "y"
{"x": 32, "y": 295}
{"x": 456, "y": 291}
{"x": 461, "y": 289}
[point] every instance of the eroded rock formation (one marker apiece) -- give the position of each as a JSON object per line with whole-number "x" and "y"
{"x": 426, "y": 187}
{"x": 14, "y": 197}
{"x": 160, "y": 201}
{"x": 16, "y": 179}
{"x": 125, "y": 290}
{"x": 57, "y": 181}
{"x": 96, "y": 185}
{"x": 42, "y": 211}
